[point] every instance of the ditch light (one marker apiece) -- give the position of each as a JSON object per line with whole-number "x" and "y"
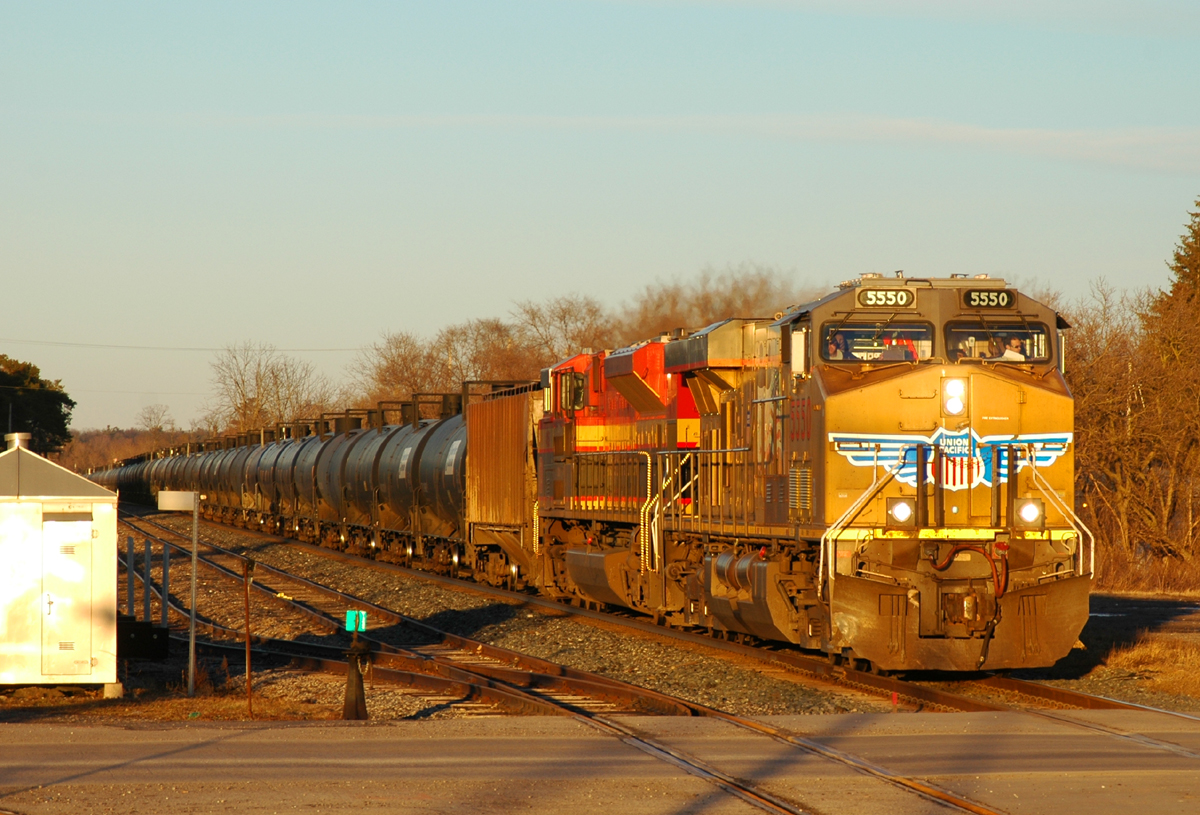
{"x": 902, "y": 513}
{"x": 1031, "y": 514}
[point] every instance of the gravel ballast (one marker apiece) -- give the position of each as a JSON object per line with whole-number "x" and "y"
{"x": 679, "y": 669}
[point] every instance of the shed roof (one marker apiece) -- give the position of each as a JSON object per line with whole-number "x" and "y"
{"x": 25, "y": 474}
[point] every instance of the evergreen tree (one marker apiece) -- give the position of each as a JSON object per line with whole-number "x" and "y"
{"x": 1185, "y": 266}
{"x": 30, "y": 404}
{"x": 1165, "y": 405}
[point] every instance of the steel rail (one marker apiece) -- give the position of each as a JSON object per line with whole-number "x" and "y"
{"x": 420, "y": 681}
{"x": 728, "y": 783}
{"x": 842, "y": 676}
{"x": 1086, "y": 701}
{"x": 838, "y": 675}
{"x": 531, "y": 672}
{"x": 738, "y": 788}
{"x": 694, "y": 766}
{"x": 911, "y": 784}
{"x": 441, "y": 680}
{"x": 1049, "y": 693}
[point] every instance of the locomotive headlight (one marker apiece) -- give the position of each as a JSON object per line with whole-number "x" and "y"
{"x": 901, "y": 512}
{"x": 1031, "y": 514}
{"x": 954, "y": 396}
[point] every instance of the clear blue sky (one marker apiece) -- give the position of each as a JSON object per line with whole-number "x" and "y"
{"x": 190, "y": 175}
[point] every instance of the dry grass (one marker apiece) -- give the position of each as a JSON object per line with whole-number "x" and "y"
{"x": 220, "y": 696}
{"x": 47, "y": 704}
{"x": 1163, "y": 664}
{"x": 1119, "y": 571}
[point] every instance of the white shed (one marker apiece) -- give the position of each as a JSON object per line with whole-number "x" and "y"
{"x": 58, "y": 573}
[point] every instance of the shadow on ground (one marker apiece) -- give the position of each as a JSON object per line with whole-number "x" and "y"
{"x": 1117, "y": 621}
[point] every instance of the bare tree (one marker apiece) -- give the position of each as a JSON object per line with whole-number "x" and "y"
{"x": 481, "y": 349}
{"x": 748, "y": 290}
{"x": 396, "y": 367}
{"x": 156, "y": 417}
{"x": 402, "y": 364}
{"x": 563, "y": 326}
{"x": 256, "y": 386}
{"x": 98, "y": 449}
{"x": 1109, "y": 453}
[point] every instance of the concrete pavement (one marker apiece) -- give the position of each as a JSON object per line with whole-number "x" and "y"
{"x": 1011, "y": 762}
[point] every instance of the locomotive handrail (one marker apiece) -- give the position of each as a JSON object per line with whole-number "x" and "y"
{"x": 829, "y": 539}
{"x": 1074, "y": 520}
{"x": 651, "y": 510}
{"x": 669, "y": 479}
{"x": 699, "y": 450}
{"x": 658, "y": 503}
{"x": 645, "y": 541}
{"x": 700, "y": 456}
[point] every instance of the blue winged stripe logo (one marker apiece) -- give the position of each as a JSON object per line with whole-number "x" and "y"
{"x": 966, "y": 458}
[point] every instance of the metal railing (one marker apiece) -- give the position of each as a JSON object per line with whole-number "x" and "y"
{"x": 829, "y": 540}
{"x": 708, "y": 490}
{"x": 1052, "y": 497}
{"x": 618, "y": 485}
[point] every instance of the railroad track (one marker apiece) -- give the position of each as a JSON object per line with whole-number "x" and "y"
{"x": 548, "y": 688}
{"x": 442, "y": 653}
{"x": 990, "y": 692}
{"x": 1020, "y": 695}
{"x": 778, "y": 661}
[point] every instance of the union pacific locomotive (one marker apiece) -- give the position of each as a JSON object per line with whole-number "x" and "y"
{"x": 884, "y": 474}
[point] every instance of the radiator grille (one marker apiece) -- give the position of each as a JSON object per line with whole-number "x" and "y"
{"x": 800, "y": 489}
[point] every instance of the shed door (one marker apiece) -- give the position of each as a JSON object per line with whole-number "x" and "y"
{"x": 66, "y": 597}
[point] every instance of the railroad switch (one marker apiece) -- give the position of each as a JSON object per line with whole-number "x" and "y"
{"x": 357, "y": 657}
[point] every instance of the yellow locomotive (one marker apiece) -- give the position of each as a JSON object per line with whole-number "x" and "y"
{"x": 884, "y": 474}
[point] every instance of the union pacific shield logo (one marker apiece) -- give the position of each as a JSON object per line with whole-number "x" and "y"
{"x": 966, "y": 459}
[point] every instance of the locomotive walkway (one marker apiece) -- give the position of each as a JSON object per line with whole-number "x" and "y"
{"x": 1006, "y": 762}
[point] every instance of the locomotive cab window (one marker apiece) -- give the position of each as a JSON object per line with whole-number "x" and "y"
{"x": 876, "y": 342}
{"x": 1008, "y": 341}
{"x": 797, "y": 348}
{"x": 572, "y": 391}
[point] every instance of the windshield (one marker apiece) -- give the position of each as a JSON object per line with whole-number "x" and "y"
{"x": 998, "y": 341}
{"x": 876, "y": 342}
